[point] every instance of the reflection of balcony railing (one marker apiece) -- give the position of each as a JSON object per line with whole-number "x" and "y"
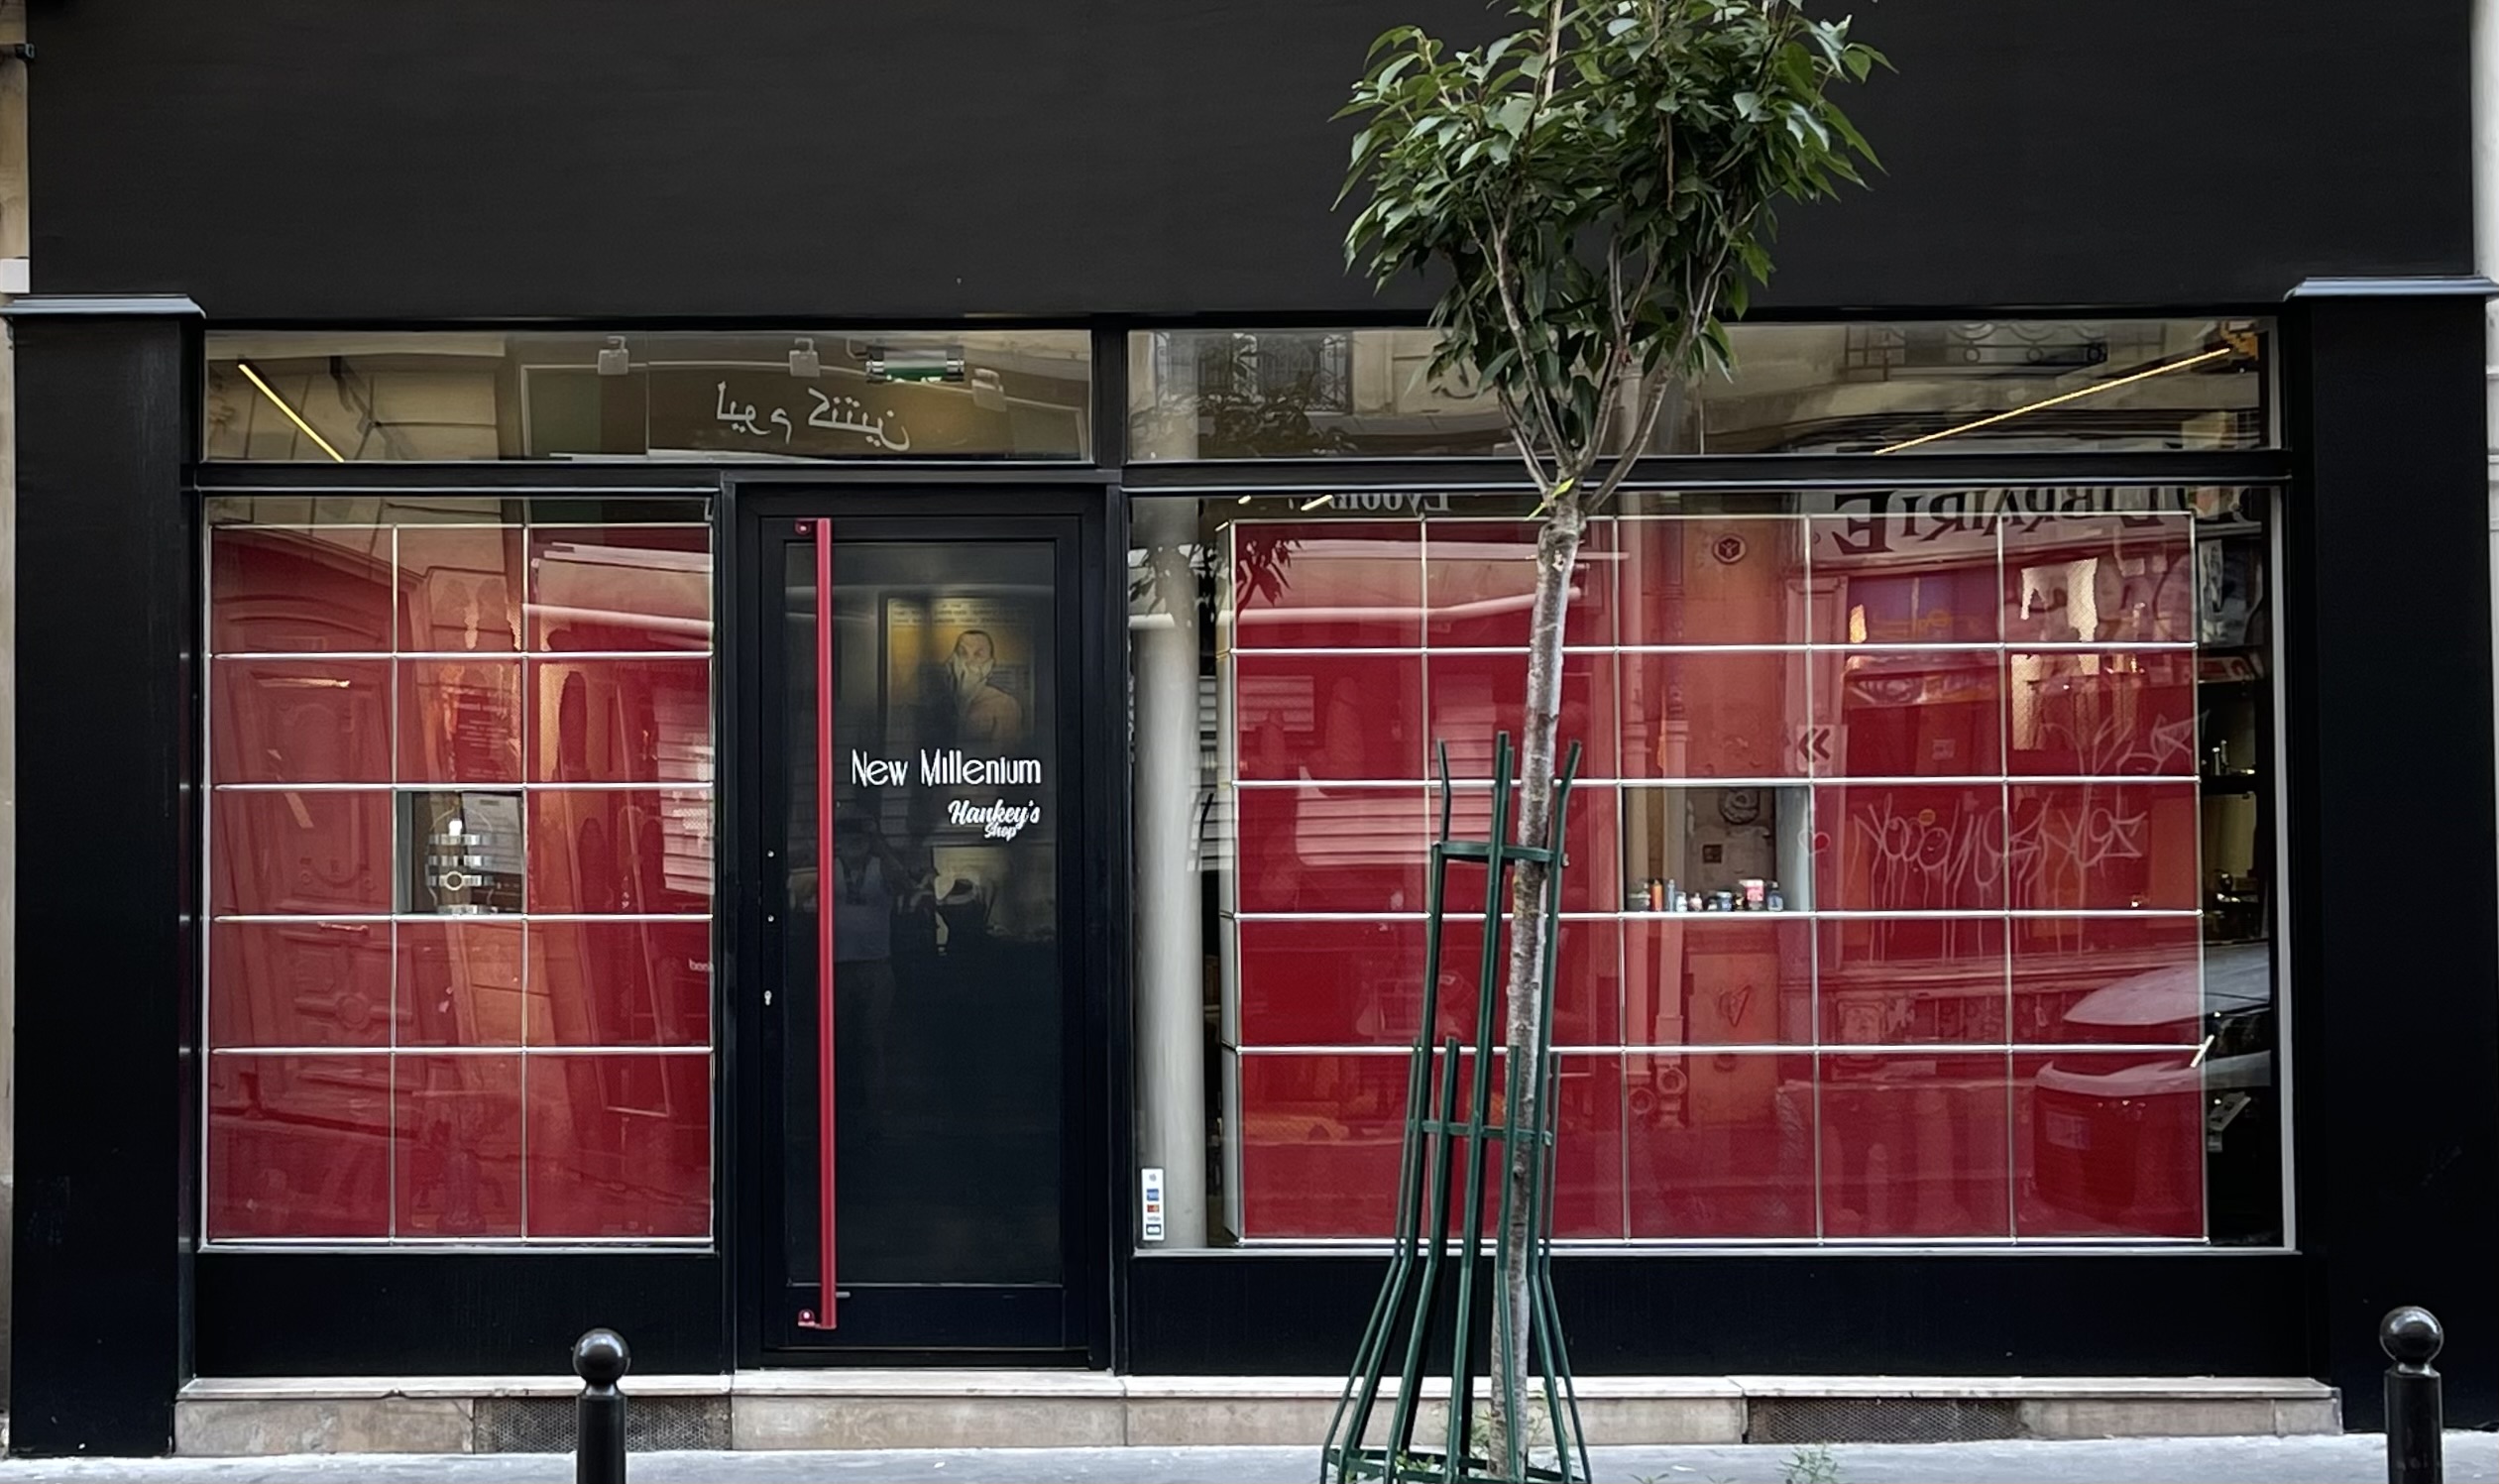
{"x": 1995, "y": 348}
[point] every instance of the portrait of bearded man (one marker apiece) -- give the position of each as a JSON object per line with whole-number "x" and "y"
{"x": 984, "y": 715}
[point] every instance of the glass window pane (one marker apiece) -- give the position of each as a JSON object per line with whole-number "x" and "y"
{"x": 1930, "y": 387}
{"x": 299, "y": 1146}
{"x": 354, "y": 395}
{"x": 1720, "y": 1145}
{"x": 460, "y": 587}
{"x": 1912, "y": 981}
{"x": 2101, "y": 712}
{"x": 1718, "y": 979}
{"x": 311, "y": 852}
{"x": 1348, "y": 717}
{"x": 1479, "y": 583}
{"x": 1713, "y": 713}
{"x": 301, "y": 721}
{"x": 619, "y": 984}
{"x": 1326, "y": 585}
{"x": 460, "y": 721}
{"x": 460, "y": 982}
{"x": 1994, "y": 385}
{"x": 1915, "y": 1146}
{"x": 456, "y": 1142}
{"x": 1300, "y": 394}
{"x": 300, "y": 983}
{"x": 299, "y": 589}
{"x": 1705, "y": 579}
{"x": 643, "y": 720}
{"x": 2084, "y": 1173}
{"x": 1909, "y": 577}
{"x": 620, "y": 1146}
{"x": 631, "y": 588}
{"x": 617, "y": 850}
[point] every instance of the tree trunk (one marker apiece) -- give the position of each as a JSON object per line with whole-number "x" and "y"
{"x": 1556, "y": 551}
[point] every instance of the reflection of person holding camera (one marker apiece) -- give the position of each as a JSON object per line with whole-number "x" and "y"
{"x": 964, "y": 909}
{"x": 870, "y": 887}
{"x": 869, "y": 884}
{"x": 982, "y": 711}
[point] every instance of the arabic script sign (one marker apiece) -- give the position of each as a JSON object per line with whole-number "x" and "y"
{"x": 747, "y": 410}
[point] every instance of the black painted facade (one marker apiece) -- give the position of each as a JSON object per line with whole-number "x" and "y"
{"x": 630, "y": 164}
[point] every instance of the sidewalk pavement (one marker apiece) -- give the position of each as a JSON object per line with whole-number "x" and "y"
{"x": 2358, "y": 1459}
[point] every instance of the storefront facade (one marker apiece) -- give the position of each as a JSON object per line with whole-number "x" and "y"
{"x": 2006, "y": 931}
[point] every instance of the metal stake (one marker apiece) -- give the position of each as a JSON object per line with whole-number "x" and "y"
{"x": 1440, "y": 1204}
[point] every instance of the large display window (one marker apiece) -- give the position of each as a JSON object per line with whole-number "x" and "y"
{"x": 458, "y": 848}
{"x": 1919, "y": 879}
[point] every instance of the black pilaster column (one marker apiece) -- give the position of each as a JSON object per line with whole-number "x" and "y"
{"x": 107, "y": 607}
{"x": 2395, "y": 962}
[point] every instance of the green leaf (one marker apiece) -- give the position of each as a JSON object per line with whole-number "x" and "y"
{"x": 1640, "y": 142}
{"x": 1393, "y": 36}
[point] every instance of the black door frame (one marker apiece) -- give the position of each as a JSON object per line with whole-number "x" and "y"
{"x": 752, "y": 511}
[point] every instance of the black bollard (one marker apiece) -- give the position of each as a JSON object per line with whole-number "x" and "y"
{"x": 2414, "y": 1417}
{"x": 600, "y": 1360}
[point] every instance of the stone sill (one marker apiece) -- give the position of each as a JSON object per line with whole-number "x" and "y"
{"x": 872, "y": 1409}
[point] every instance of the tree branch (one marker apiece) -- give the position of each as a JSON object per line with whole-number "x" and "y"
{"x": 1552, "y": 52}
{"x": 1700, "y": 304}
{"x": 1541, "y": 395}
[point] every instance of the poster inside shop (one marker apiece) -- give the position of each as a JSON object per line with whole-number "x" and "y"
{"x": 963, "y": 705}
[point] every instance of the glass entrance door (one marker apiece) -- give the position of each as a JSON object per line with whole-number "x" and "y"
{"x": 920, "y": 1008}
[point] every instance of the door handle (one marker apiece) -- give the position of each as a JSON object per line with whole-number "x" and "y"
{"x": 825, "y": 1147}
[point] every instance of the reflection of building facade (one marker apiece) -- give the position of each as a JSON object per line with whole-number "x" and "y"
{"x": 759, "y": 766}
{"x": 1801, "y": 389}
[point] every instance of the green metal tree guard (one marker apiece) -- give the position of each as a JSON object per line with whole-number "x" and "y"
{"x": 1449, "y": 1120}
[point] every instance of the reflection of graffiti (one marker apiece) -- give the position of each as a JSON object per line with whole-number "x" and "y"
{"x": 2173, "y": 741}
{"x": 2059, "y": 848}
{"x": 1929, "y": 856}
{"x": 2112, "y": 747}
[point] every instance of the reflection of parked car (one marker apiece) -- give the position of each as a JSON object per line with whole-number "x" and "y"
{"x": 2112, "y": 1132}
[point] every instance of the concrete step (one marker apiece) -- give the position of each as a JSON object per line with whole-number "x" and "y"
{"x": 933, "y": 1409}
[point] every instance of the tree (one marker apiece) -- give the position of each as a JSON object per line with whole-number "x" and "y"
{"x": 1595, "y": 187}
